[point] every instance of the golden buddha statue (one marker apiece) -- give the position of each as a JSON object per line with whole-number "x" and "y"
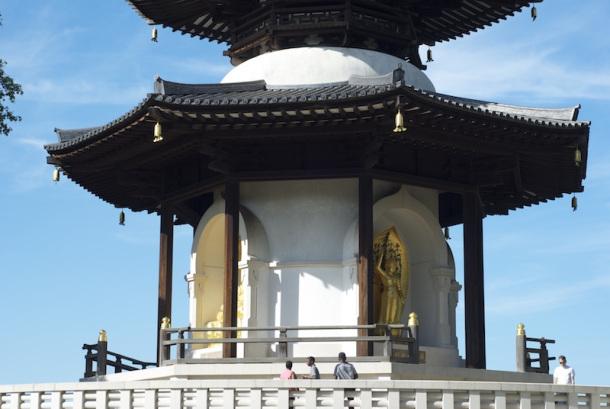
{"x": 391, "y": 276}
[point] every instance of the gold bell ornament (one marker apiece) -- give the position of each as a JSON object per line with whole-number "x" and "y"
{"x": 429, "y": 56}
{"x": 574, "y": 203}
{"x": 577, "y": 157}
{"x": 400, "y": 122}
{"x": 158, "y": 133}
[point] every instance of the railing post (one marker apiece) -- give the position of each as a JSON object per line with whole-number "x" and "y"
{"x": 181, "y": 346}
{"x": 544, "y": 356}
{"x": 118, "y": 368}
{"x": 164, "y": 350}
{"x": 520, "y": 348}
{"x": 413, "y": 325}
{"x": 282, "y": 348}
{"x": 102, "y": 350}
{"x": 88, "y": 362}
{"x": 387, "y": 344}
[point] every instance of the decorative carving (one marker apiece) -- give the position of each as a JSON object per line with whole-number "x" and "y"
{"x": 391, "y": 276}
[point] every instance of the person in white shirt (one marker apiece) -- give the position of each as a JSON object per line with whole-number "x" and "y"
{"x": 313, "y": 369}
{"x": 564, "y": 374}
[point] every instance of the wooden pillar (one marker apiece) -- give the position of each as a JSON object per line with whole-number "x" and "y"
{"x": 474, "y": 293}
{"x": 365, "y": 260}
{"x": 166, "y": 250}
{"x": 231, "y": 268}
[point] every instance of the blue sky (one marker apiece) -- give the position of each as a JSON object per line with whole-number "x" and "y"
{"x": 68, "y": 269}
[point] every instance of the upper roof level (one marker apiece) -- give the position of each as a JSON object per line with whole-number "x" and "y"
{"x": 396, "y": 27}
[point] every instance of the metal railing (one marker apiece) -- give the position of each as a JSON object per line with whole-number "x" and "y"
{"x": 399, "y": 342}
{"x": 101, "y": 358}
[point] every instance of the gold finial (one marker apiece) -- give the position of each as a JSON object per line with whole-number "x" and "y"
{"x": 413, "y": 320}
{"x": 521, "y": 329}
{"x": 400, "y": 122}
{"x": 577, "y": 157}
{"x": 56, "y": 175}
{"x": 165, "y": 323}
{"x": 103, "y": 336}
{"x": 158, "y": 133}
{"x": 154, "y": 35}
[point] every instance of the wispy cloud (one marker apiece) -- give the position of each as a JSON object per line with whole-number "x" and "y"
{"x": 134, "y": 237}
{"x": 531, "y": 67}
{"x": 514, "y": 300}
{"x": 27, "y": 179}
{"x": 202, "y": 67}
{"x": 82, "y": 91}
{"x": 37, "y": 143}
{"x": 525, "y": 70}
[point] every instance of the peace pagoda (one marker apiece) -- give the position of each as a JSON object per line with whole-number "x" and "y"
{"x": 321, "y": 177}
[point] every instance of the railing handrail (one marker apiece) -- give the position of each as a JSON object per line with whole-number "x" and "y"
{"x": 93, "y": 347}
{"x": 432, "y": 385}
{"x": 283, "y": 328}
{"x": 229, "y": 336}
{"x": 377, "y": 338}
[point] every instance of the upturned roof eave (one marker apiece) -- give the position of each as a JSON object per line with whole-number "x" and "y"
{"x": 258, "y": 97}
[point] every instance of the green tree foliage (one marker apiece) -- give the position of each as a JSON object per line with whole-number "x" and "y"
{"x": 9, "y": 90}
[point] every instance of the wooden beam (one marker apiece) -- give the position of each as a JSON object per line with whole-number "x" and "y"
{"x": 474, "y": 297}
{"x": 422, "y": 181}
{"x": 231, "y": 268}
{"x": 166, "y": 249}
{"x": 365, "y": 261}
{"x": 194, "y": 190}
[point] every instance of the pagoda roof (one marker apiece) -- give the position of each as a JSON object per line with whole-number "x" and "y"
{"x": 433, "y": 21}
{"x": 513, "y": 156}
{"x": 259, "y": 93}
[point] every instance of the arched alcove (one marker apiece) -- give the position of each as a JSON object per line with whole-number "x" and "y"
{"x": 206, "y": 280}
{"x": 411, "y": 212}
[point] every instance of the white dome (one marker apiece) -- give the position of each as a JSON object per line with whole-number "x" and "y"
{"x": 320, "y": 65}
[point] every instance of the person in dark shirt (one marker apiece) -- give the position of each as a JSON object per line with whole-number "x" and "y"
{"x": 345, "y": 370}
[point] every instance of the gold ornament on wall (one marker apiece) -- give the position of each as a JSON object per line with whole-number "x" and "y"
{"x": 391, "y": 276}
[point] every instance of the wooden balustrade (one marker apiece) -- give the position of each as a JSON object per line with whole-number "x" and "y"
{"x": 528, "y": 356}
{"x": 399, "y": 348}
{"x": 98, "y": 355}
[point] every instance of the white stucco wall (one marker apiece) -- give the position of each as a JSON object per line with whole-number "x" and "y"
{"x": 299, "y": 249}
{"x": 319, "y": 65}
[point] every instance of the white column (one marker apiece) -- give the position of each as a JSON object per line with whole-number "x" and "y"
{"x": 453, "y": 302}
{"x": 193, "y": 282}
{"x": 442, "y": 283}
